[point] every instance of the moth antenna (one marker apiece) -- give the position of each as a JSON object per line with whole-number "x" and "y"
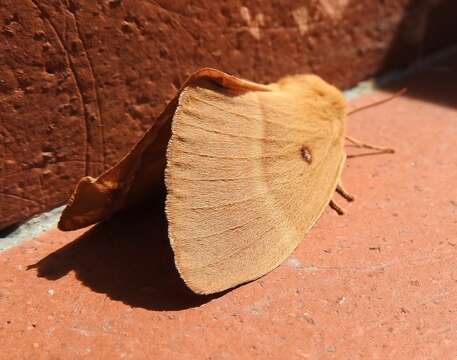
{"x": 360, "y": 144}
{"x": 338, "y": 209}
{"x": 340, "y": 190}
{"x": 367, "y": 154}
{"x": 376, "y": 103}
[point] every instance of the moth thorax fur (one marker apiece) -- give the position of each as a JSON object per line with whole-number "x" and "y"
{"x": 313, "y": 87}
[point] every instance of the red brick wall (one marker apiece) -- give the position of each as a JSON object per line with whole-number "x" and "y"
{"x": 80, "y": 80}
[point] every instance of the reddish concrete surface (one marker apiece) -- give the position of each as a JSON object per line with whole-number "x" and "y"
{"x": 80, "y": 80}
{"x": 377, "y": 283}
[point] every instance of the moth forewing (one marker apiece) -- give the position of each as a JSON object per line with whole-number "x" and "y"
{"x": 241, "y": 194}
{"x": 249, "y": 168}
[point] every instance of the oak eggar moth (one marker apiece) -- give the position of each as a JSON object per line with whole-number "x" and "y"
{"x": 248, "y": 169}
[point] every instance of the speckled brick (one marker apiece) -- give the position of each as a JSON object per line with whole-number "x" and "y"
{"x": 80, "y": 80}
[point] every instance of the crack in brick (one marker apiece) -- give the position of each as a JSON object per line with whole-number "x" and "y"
{"x": 75, "y": 76}
{"x": 6, "y": 176}
{"x": 95, "y": 86}
{"x": 23, "y": 198}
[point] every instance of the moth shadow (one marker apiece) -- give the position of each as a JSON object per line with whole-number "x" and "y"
{"x": 424, "y": 31}
{"x": 129, "y": 259}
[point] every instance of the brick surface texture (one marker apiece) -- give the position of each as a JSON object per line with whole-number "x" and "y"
{"x": 81, "y": 80}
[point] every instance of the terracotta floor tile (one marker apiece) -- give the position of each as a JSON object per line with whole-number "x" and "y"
{"x": 379, "y": 282}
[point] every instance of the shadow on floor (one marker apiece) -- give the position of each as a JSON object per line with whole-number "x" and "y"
{"x": 436, "y": 83}
{"x": 128, "y": 258}
{"x": 426, "y": 34}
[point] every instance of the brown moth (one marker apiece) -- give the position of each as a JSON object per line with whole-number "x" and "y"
{"x": 248, "y": 168}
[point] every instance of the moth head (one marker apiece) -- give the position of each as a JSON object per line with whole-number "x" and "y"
{"x": 316, "y": 93}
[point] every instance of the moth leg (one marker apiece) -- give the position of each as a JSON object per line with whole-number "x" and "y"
{"x": 338, "y": 209}
{"x": 340, "y": 190}
{"x": 359, "y": 144}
